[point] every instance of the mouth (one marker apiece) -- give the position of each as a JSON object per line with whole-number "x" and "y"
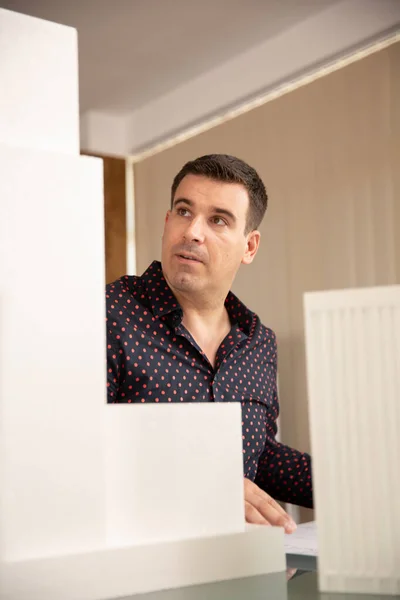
{"x": 188, "y": 258}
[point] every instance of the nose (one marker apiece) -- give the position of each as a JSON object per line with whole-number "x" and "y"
{"x": 195, "y": 231}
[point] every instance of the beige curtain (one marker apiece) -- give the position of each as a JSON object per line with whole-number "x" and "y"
{"x": 329, "y": 154}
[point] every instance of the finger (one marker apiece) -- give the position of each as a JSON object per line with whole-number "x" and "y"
{"x": 270, "y": 513}
{"x": 253, "y": 516}
{"x": 290, "y": 521}
{"x": 290, "y": 573}
{"x": 262, "y": 494}
{"x": 259, "y": 492}
{"x": 253, "y": 488}
{"x": 268, "y": 507}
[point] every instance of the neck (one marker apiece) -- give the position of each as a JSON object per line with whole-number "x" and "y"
{"x": 211, "y": 318}
{"x": 200, "y": 308}
{"x": 207, "y": 321}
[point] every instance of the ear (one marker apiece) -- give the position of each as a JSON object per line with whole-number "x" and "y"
{"x": 252, "y": 244}
{"x": 167, "y": 215}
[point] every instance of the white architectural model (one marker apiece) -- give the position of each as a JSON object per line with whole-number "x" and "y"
{"x": 353, "y": 356}
{"x": 80, "y": 517}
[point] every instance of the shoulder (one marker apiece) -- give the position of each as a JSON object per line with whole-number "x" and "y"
{"x": 267, "y": 335}
{"x": 123, "y": 291}
{"x": 249, "y": 321}
{"x": 126, "y": 285}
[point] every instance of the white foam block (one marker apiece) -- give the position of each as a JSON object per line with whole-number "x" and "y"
{"x": 66, "y": 458}
{"x": 39, "y": 105}
{"x": 52, "y": 353}
{"x": 353, "y": 364}
{"x": 139, "y": 569}
{"x": 173, "y": 471}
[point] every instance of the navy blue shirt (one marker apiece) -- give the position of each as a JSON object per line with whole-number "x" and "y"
{"x": 152, "y": 357}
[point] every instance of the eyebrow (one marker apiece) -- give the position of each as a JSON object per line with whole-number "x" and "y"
{"x": 215, "y": 209}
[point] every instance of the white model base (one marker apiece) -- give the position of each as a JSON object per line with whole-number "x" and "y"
{"x": 116, "y": 572}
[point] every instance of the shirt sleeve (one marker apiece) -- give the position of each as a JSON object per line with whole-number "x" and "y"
{"x": 113, "y": 374}
{"x": 114, "y": 359}
{"x": 283, "y": 472}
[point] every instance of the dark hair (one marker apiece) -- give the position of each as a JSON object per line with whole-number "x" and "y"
{"x": 229, "y": 169}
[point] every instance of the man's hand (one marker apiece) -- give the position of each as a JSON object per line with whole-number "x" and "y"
{"x": 261, "y": 509}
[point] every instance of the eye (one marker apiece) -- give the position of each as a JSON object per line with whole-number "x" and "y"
{"x": 182, "y": 212}
{"x": 219, "y": 221}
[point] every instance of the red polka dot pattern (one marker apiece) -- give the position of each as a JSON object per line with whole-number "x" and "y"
{"x": 151, "y": 357}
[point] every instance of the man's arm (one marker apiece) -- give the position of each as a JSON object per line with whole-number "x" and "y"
{"x": 114, "y": 359}
{"x": 285, "y": 473}
{"x": 113, "y": 374}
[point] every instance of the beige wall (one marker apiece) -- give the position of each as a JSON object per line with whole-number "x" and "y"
{"x": 329, "y": 154}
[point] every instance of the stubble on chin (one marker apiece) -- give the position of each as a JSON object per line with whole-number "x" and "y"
{"x": 184, "y": 282}
{"x": 182, "y": 279}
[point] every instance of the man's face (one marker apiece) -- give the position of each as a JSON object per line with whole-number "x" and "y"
{"x": 204, "y": 239}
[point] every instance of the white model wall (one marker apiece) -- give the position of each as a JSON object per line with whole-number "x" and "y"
{"x": 353, "y": 364}
{"x": 52, "y": 343}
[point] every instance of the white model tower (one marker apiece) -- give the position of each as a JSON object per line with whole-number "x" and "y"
{"x": 80, "y": 517}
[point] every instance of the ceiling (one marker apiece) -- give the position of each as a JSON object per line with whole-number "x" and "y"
{"x": 132, "y": 51}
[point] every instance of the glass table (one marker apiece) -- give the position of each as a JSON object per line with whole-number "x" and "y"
{"x": 303, "y": 586}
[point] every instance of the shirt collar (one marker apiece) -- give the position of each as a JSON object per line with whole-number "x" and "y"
{"x": 163, "y": 301}
{"x": 239, "y": 313}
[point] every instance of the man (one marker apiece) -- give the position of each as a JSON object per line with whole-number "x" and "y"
{"x": 177, "y": 333}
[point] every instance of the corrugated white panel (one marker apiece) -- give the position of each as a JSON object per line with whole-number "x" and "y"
{"x": 353, "y": 367}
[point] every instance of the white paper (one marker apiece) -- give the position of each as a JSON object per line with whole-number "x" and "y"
{"x": 303, "y": 540}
